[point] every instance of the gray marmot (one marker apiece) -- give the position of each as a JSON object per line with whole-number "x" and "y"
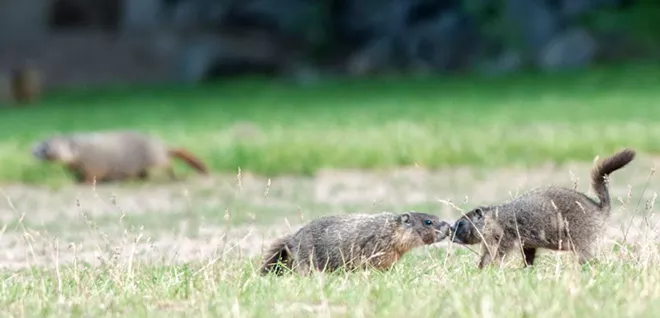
{"x": 554, "y": 218}
{"x": 353, "y": 241}
{"x": 112, "y": 155}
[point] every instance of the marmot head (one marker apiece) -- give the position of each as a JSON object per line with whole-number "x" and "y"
{"x": 469, "y": 228}
{"x": 427, "y": 227}
{"x": 54, "y": 149}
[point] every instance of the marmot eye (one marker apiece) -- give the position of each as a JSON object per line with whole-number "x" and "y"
{"x": 428, "y": 222}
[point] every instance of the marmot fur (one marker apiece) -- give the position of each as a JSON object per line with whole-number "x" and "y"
{"x": 112, "y": 155}
{"x": 554, "y": 218}
{"x": 353, "y": 241}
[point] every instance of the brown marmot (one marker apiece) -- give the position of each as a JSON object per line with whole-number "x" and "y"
{"x": 25, "y": 84}
{"x": 112, "y": 155}
{"x": 353, "y": 241}
{"x": 554, "y": 218}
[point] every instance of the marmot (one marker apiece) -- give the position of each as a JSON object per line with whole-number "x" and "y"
{"x": 25, "y": 84}
{"x": 112, "y": 155}
{"x": 553, "y": 217}
{"x": 353, "y": 241}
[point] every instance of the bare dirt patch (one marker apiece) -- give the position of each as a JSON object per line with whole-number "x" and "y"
{"x": 88, "y": 224}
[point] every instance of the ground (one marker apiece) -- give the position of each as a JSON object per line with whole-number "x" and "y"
{"x": 199, "y": 217}
{"x": 210, "y": 231}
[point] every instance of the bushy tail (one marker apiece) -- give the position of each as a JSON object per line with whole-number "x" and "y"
{"x": 600, "y": 173}
{"x": 189, "y": 158}
{"x": 278, "y": 254}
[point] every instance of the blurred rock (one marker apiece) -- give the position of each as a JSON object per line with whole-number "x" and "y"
{"x": 183, "y": 14}
{"x": 537, "y": 22}
{"x": 75, "y": 14}
{"x": 572, "y": 49}
{"x": 442, "y": 42}
{"x": 552, "y": 36}
{"x": 375, "y": 56}
{"x": 422, "y": 36}
{"x": 507, "y": 62}
{"x": 189, "y": 37}
{"x": 191, "y": 14}
{"x": 374, "y": 18}
{"x": 23, "y": 19}
{"x": 90, "y": 58}
{"x": 195, "y": 61}
{"x": 572, "y": 8}
{"x": 614, "y": 46}
{"x": 234, "y": 52}
{"x": 141, "y": 15}
{"x": 293, "y": 17}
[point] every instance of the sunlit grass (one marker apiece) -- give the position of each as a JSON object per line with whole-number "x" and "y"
{"x": 274, "y": 129}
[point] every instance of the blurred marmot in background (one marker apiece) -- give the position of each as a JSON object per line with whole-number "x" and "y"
{"x": 554, "y": 218}
{"x": 112, "y": 155}
{"x": 25, "y": 84}
{"x": 353, "y": 241}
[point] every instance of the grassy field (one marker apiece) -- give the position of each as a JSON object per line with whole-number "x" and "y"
{"x": 276, "y": 129}
{"x": 192, "y": 247}
{"x": 431, "y": 284}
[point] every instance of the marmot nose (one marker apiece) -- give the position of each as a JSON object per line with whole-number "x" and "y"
{"x": 445, "y": 228}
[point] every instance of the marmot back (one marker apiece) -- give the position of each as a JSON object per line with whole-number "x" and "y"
{"x": 112, "y": 155}
{"x": 554, "y": 218}
{"x": 121, "y": 154}
{"x": 353, "y": 241}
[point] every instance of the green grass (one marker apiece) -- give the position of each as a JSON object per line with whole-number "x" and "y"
{"x": 142, "y": 281}
{"x": 342, "y": 124}
{"x": 426, "y": 283}
{"x": 273, "y": 129}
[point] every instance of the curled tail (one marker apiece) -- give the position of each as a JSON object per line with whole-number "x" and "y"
{"x": 278, "y": 254}
{"x": 603, "y": 170}
{"x": 189, "y": 158}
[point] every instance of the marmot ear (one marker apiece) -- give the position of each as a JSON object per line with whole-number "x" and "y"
{"x": 479, "y": 212}
{"x": 405, "y": 218}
